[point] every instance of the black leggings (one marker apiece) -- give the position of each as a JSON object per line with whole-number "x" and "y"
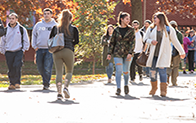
{"x": 191, "y": 59}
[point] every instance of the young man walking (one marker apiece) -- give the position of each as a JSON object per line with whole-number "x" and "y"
{"x": 40, "y": 35}
{"x": 13, "y": 44}
{"x": 138, "y": 49}
{"x": 175, "y": 62}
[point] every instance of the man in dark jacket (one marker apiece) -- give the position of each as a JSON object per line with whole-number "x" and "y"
{"x": 173, "y": 70}
{"x": 2, "y": 30}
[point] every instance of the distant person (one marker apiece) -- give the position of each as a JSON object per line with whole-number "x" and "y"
{"x": 65, "y": 56}
{"x": 40, "y": 36}
{"x": 159, "y": 36}
{"x": 105, "y": 43}
{"x": 2, "y": 30}
{"x": 138, "y": 49}
{"x": 194, "y": 43}
{"x": 191, "y": 52}
{"x": 175, "y": 61}
{"x": 146, "y": 70}
{"x": 13, "y": 45}
{"x": 121, "y": 47}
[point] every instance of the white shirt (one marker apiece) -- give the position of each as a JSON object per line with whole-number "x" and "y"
{"x": 138, "y": 42}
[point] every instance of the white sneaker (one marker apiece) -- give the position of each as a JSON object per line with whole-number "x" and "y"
{"x": 66, "y": 92}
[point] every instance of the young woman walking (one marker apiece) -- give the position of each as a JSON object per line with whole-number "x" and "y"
{"x": 107, "y": 63}
{"x": 121, "y": 47}
{"x": 159, "y": 36}
{"x": 191, "y": 52}
{"x": 66, "y": 55}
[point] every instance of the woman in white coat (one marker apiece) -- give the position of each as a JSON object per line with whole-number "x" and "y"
{"x": 159, "y": 36}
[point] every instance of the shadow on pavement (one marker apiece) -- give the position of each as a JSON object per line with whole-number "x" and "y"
{"x": 178, "y": 86}
{"x": 64, "y": 102}
{"x": 43, "y": 91}
{"x": 155, "y": 97}
{"x": 12, "y": 91}
{"x": 110, "y": 84}
{"x": 82, "y": 83}
{"x": 139, "y": 84}
{"x": 126, "y": 97}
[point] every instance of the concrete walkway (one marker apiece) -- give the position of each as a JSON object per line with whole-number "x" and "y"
{"x": 96, "y": 102}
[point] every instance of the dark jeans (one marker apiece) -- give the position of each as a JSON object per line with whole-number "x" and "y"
{"x": 14, "y": 63}
{"x": 44, "y": 62}
{"x": 132, "y": 68}
{"x": 191, "y": 59}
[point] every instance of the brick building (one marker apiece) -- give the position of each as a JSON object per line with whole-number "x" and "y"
{"x": 148, "y": 11}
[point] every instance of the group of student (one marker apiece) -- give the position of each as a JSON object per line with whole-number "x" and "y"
{"x": 125, "y": 43}
{"x": 122, "y": 46}
{"x": 14, "y": 42}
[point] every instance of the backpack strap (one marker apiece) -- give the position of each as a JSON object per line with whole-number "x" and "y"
{"x": 21, "y": 31}
{"x": 141, "y": 34}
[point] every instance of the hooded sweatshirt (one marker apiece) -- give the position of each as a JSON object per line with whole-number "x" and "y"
{"x": 12, "y": 40}
{"x": 41, "y": 33}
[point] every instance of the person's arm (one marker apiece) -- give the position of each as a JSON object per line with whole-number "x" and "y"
{"x": 76, "y": 36}
{"x": 26, "y": 42}
{"x": 132, "y": 43}
{"x": 104, "y": 41}
{"x": 2, "y": 45}
{"x": 34, "y": 38}
{"x": 112, "y": 43}
{"x": 147, "y": 36}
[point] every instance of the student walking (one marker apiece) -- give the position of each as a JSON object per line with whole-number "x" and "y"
{"x": 138, "y": 49}
{"x": 40, "y": 36}
{"x": 191, "y": 52}
{"x": 66, "y": 55}
{"x": 175, "y": 60}
{"x": 158, "y": 36}
{"x": 13, "y": 45}
{"x": 121, "y": 47}
{"x": 105, "y": 43}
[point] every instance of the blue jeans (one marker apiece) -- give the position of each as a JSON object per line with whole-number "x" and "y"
{"x": 109, "y": 70}
{"x": 14, "y": 63}
{"x": 122, "y": 65}
{"x": 146, "y": 70}
{"x": 154, "y": 71}
{"x": 44, "y": 62}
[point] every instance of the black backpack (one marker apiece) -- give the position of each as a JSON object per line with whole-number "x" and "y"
{"x": 21, "y": 31}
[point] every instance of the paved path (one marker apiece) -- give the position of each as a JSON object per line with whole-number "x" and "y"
{"x": 96, "y": 102}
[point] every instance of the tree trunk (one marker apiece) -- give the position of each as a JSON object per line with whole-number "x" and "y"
{"x": 137, "y": 11}
{"x": 93, "y": 65}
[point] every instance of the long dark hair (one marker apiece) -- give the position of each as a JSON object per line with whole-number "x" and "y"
{"x": 163, "y": 21}
{"x": 64, "y": 21}
{"x": 107, "y": 32}
{"x": 122, "y": 15}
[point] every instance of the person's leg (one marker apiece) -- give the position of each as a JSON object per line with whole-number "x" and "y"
{"x": 163, "y": 79}
{"x": 153, "y": 77}
{"x": 119, "y": 68}
{"x": 132, "y": 68}
{"x": 58, "y": 62}
{"x": 109, "y": 71}
{"x": 39, "y": 62}
{"x": 175, "y": 73}
{"x": 169, "y": 70}
{"x": 189, "y": 59}
{"x": 48, "y": 63}
{"x": 139, "y": 68}
{"x": 10, "y": 60}
{"x": 192, "y": 60}
{"x": 18, "y": 65}
{"x": 126, "y": 66}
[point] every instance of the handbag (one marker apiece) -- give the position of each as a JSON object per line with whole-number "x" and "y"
{"x": 56, "y": 43}
{"x": 143, "y": 57}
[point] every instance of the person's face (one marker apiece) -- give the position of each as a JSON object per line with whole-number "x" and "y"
{"x": 156, "y": 20}
{"x": 110, "y": 30}
{"x": 146, "y": 25}
{"x": 125, "y": 20}
{"x": 13, "y": 20}
{"x": 191, "y": 34}
{"x": 47, "y": 15}
{"x": 135, "y": 26}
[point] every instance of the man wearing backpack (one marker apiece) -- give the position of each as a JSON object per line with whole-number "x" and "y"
{"x": 173, "y": 70}
{"x": 40, "y": 36}
{"x": 138, "y": 49}
{"x": 13, "y": 44}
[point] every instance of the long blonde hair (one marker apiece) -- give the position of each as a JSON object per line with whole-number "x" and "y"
{"x": 163, "y": 21}
{"x": 64, "y": 21}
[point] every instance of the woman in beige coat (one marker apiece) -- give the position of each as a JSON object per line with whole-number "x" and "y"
{"x": 159, "y": 36}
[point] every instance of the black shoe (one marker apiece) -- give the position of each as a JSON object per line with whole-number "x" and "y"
{"x": 66, "y": 92}
{"x": 141, "y": 78}
{"x": 118, "y": 91}
{"x": 184, "y": 72}
{"x": 59, "y": 97}
{"x": 126, "y": 89}
{"x": 46, "y": 88}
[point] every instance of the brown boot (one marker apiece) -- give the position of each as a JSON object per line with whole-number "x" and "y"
{"x": 11, "y": 87}
{"x": 17, "y": 85}
{"x": 163, "y": 87}
{"x": 154, "y": 88}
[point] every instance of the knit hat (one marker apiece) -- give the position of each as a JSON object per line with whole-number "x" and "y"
{"x": 173, "y": 23}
